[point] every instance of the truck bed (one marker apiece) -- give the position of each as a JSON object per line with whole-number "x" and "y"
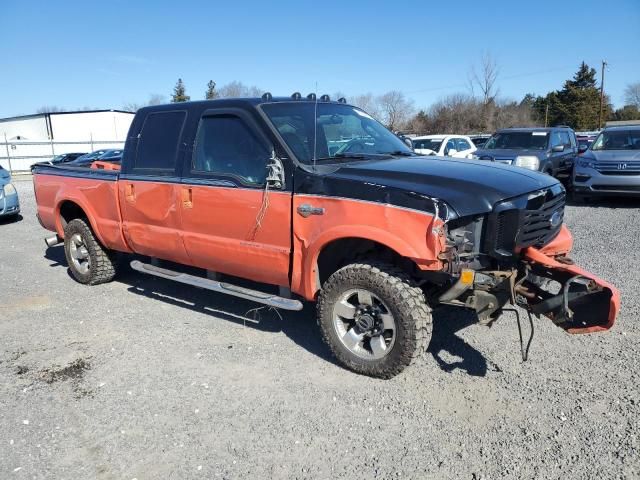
{"x": 62, "y": 189}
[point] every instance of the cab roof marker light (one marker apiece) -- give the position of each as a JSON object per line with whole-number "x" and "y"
{"x": 311, "y": 96}
{"x": 325, "y": 98}
{"x": 342, "y": 100}
{"x": 296, "y": 96}
{"x": 267, "y": 96}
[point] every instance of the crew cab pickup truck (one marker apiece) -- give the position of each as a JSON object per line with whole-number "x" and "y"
{"x": 249, "y": 188}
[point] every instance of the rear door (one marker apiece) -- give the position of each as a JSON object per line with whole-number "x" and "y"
{"x": 231, "y": 223}
{"x": 149, "y": 187}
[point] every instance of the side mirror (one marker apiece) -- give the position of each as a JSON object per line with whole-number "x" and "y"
{"x": 408, "y": 141}
{"x": 582, "y": 148}
{"x": 275, "y": 171}
{"x": 451, "y": 152}
{"x": 558, "y": 148}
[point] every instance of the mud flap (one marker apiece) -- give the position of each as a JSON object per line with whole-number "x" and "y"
{"x": 584, "y": 303}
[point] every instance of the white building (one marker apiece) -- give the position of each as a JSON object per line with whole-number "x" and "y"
{"x": 29, "y": 139}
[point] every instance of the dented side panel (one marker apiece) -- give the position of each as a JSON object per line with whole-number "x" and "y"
{"x": 412, "y": 234}
{"x": 98, "y": 198}
{"x": 238, "y": 231}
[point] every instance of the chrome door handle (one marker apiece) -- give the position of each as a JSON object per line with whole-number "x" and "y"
{"x": 307, "y": 210}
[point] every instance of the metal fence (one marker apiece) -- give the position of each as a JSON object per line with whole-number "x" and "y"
{"x": 18, "y": 156}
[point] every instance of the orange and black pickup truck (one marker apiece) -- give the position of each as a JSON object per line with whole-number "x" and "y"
{"x": 317, "y": 201}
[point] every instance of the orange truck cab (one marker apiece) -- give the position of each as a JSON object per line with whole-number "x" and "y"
{"x": 318, "y": 201}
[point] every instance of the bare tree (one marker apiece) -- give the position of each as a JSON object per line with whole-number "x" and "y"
{"x": 237, "y": 89}
{"x": 367, "y": 102}
{"x": 632, "y": 95}
{"x": 484, "y": 78}
{"x": 154, "y": 99}
{"x": 396, "y": 109}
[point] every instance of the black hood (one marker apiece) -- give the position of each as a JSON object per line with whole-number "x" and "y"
{"x": 470, "y": 187}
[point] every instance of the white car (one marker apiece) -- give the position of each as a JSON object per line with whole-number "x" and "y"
{"x": 459, "y": 146}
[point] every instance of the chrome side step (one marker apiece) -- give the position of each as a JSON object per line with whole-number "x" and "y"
{"x": 220, "y": 287}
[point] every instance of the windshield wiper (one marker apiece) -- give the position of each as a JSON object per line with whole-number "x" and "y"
{"x": 344, "y": 156}
{"x": 400, "y": 153}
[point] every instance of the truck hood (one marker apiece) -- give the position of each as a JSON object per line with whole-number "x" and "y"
{"x": 469, "y": 187}
{"x": 506, "y": 153}
{"x": 612, "y": 155}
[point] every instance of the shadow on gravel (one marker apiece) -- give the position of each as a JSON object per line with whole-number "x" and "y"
{"x": 4, "y": 220}
{"x": 605, "y": 202}
{"x": 300, "y": 327}
{"x": 445, "y": 343}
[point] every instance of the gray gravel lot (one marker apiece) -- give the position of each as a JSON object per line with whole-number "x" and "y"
{"x": 142, "y": 378}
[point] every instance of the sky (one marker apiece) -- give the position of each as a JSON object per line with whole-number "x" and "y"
{"x": 77, "y": 54}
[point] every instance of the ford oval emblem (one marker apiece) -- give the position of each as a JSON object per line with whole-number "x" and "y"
{"x": 555, "y": 219}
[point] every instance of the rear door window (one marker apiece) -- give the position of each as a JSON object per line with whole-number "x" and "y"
{"x": 158, "y": 141}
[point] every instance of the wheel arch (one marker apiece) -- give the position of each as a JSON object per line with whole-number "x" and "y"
{"x": 68, "y": 209}
{"x": 332, "y": 251}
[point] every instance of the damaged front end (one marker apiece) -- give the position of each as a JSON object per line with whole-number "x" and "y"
{"x": 574, "y": 299}
{"x": 518, "y": 255}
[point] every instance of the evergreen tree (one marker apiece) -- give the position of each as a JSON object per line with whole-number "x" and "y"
{"x": 179, "y": 93}
{"x": 211, "y": 91}
{"x": 576, "y": 105}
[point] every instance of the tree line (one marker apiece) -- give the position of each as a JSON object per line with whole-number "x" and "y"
{"x": 478, "y": 109}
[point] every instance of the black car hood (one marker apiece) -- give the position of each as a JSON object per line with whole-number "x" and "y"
{"x": 612, "y": 155}
{"x": 470, "y": 187}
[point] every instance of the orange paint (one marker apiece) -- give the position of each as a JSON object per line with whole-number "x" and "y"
{"x": 561, "y": 245}
{"x": 96, "y": 197}
{"x": 410, "y": 233}
{"x": 538, "y": 256}
{"x": 221, "y": 233}
{"x": 152, "y": 219}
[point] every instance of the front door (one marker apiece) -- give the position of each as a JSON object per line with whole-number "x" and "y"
{"x": 231, "y": 223}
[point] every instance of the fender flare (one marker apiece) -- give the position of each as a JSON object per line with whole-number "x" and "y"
{"x": 308, "y": 280}
{"x": 86, "y": 208}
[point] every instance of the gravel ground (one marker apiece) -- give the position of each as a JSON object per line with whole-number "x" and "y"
{"x": 142, "y": 378}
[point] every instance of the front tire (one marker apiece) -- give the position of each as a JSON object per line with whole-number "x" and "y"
{"x": 90, "y": 263}
{"x": 374, "y": 319}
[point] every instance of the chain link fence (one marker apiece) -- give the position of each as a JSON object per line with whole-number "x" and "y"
{"x": 18, "y": 156}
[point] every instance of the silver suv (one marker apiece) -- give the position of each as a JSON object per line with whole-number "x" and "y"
{"x": 611, "y": 165}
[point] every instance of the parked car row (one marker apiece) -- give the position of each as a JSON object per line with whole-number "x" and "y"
{"x": 591, "y": 164}
{"x": 83, "y": 158}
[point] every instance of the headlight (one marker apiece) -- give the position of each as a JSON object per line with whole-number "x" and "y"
{"x": 475, "y": 157}
{"x": 583, "y": 162}
{"x": 530, "y": 162}
{"x": 9, "y": 189}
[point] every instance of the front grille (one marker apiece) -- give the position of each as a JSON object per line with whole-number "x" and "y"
{"x": 532, "y": 220}
{"x": 542, "y": 219}
{"x": 617, "y": 188}
{"x": 618, "y": 168}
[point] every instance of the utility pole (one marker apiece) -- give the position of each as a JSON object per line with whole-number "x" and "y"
{"x": 604, "y": 64}
{"x": 546, "y": 114}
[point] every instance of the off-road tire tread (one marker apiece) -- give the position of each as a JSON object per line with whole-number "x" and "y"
{"x": 103, "y": 261}
{"x": 415, "y": 315}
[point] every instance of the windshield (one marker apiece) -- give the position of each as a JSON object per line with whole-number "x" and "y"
{"x": 427, "y": 144}
{"x": 341, "y": 131}
{"x": 517, "y": 141}
{"x": 618, "y": 140}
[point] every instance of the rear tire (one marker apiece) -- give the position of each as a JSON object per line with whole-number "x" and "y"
{"x": 90, "y": 263}
{"x": 374, "y": 319}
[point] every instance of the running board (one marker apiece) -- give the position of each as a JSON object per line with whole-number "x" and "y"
{"x": 220, "y": 287}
